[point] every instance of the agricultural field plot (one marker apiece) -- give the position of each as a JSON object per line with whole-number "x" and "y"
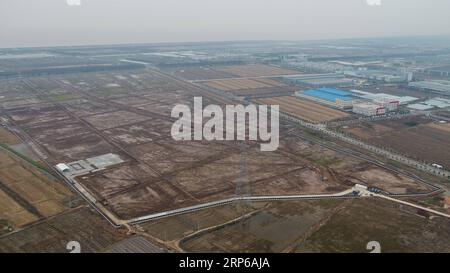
{"x": 84, "y": 107}
{"x": 256, "y": 70}
{"x": 445, "y": 127}
{"x": 308, "y": 226}
{"x": 366, "y": 130}
{"x": 418, "y": 137}
{"x": 81, "y": 224}
{"x": 201, "y": 73}
{"x": 260, "y": 232}
{"x": 26, "y": 194}
{"x": 396, "y": 229}
{"x": 421, "y": 142}
{"x": 265, "y": 92}
{"x": 240, "y": 84}
{"x": 306, "y": 110}
{"x": 174, "y": 229}
{"x": 8, "y": 138}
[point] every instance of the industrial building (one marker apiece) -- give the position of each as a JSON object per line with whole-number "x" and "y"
{"x": 61, "y": 167}
{"x": 369, "y": 109}
{"x": 382, "y": 97}
{"x": 362, "y": 102}
{"x": 420, "y": 106}
{"x": 443, "y": 71}
{"x": 320, "y": 80}
{"x": 439, "y": 86}
{"x": 379, "y": 75}
{"x": 330, "y": 96}
{"x": 88, "y": 165}
{"x": 430, "y": 104}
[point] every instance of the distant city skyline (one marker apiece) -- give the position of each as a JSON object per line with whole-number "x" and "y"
{"x": 25, "y": 23}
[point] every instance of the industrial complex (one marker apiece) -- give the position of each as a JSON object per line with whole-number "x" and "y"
{"x": 360, "y": 102}
{"x": 436, "y": 85}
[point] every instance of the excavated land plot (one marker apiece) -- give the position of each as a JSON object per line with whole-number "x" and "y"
{"x": 303, "y": 109}
{"x": 159, "y": 173}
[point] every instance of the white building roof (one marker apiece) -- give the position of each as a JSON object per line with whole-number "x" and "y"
{"x": 438, "y": 102}
{"x": 62, "y": 167}
{"x": 383, "y": 97}
{"x": 419, "y": 106}
{"x": 367, "y": 105}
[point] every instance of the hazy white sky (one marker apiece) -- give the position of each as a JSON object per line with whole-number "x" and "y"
{"x": 54, "y": 22}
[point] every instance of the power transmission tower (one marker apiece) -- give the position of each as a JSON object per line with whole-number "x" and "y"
{"x": 242, "y": 183}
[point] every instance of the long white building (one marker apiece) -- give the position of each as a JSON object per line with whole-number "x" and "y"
{"x": 441, "y": 86}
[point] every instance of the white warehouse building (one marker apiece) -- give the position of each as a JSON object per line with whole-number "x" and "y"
{"x": 369, "y": 109}
{"x": 62, "y": 167}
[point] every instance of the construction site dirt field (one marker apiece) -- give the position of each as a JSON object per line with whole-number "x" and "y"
{"x": 303, "y": 109}
{"x": 114, "y": 119}
{"x": 418, "y": 137}
{"x": 129, "y": 115}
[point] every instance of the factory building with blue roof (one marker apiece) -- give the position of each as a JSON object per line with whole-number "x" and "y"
{"x": 331, "y": 96}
